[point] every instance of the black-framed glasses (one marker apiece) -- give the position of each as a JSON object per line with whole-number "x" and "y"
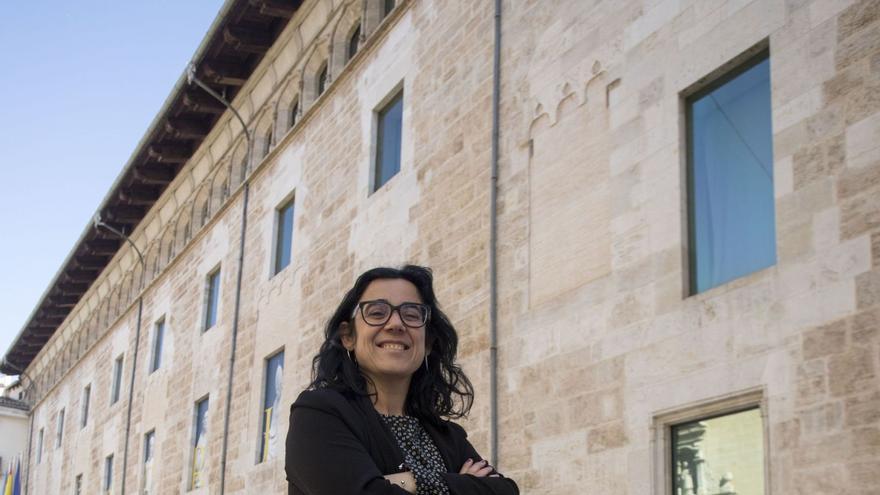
{"x": 377, "y": 313}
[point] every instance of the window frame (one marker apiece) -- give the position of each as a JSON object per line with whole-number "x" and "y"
{"x": 59, "y": 432}
{"x": 261, "y": 446}
{"x": 194, "y": 438}
{"x": 212, "y": 308}
{"x": 84, "y": 407}
{"x": 395, "y": 95}
{"x": 40, "y": 435}
{"x": 116, "y": 383}
{"x": 288, "y": 202}
{"x": 715, "y": 80}
{"x": 664, "y": 421}
{"x": 107, "y": 484}
{"x": 156, "y": 345}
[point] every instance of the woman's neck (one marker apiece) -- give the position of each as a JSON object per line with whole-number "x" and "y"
{"x": 390, "y": 395}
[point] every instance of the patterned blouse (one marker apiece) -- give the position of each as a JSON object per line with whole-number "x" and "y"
{"x": 420, "y": 454}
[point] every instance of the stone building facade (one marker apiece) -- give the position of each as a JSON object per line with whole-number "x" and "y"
{"x": 606, "y": 356}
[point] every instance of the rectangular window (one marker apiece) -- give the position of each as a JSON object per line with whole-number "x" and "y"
{"x": 117, "y": 380}
{"x": 730, "y": 177}
{"x": 270, "y": 417}
{"x": 388, "y": 141}
{"x": 200, "y": 445}
{"x": 108, "y": 473}
{"x": 78, "y": 485}
{"x": 212, "y": 298}
{"x": 158, "y": 336}
{"x": 149, "y": 451}
{"x": 59, "y": 435}
{"x": 84, "y": 413}
{"x": 40, "y": 446}
{"x": 283, "y": 236}
{"x": 716, "y": 454}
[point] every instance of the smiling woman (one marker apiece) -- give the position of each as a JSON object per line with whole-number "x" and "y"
{"x": 375, "y": 418}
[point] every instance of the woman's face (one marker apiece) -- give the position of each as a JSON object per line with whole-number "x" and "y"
{"x": 392, "y": 351}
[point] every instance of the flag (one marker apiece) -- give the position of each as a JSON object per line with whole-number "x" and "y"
{"x": 16, "y": 483}
{"x": 7, "y": 490}
{"x": 5, "y": 480}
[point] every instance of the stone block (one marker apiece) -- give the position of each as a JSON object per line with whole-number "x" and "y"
{"x": 863, "y": 409}
{"x": 860, "y": 44}
{"x": 856, "y": 17}
{"x": 851, "y": 372}
{"x": 860, "y": 214}
{"x": 825, "y": 340}
{"x": 821, "y": 420}
{"x": 868, "y": 289}
{"x": 609, "y": 436}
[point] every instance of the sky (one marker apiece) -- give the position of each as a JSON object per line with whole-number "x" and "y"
{"x": 80, "y": 83}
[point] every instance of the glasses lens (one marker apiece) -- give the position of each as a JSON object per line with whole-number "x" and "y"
{"x": 377, "y": 313}
{"x": 413, "y": 315}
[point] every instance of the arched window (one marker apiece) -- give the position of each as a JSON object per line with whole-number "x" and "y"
{"x": 267, "y": 142}
{"x": 322, "y": 80}
{"x": 294, "y": 112}
{"x": 387, "y": 7}
{"x": 353, "y": 42}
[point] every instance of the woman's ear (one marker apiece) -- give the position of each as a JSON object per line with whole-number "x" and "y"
{"x": 346, "y": 336}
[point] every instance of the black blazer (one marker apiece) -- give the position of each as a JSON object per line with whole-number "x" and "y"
{"x": 338, "y": 445}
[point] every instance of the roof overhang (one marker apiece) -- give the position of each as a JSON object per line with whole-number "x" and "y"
{"x": 236, "y": 42}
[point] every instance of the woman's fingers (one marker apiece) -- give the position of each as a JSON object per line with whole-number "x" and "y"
{"x": 467, "y": 465}
{"x": 478, "y": 469}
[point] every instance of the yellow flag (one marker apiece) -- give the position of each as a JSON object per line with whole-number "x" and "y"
{"x": 8, "y": 489}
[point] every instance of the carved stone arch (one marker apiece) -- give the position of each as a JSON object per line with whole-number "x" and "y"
{"x": 201, "y": 207}
{"x": 93, "y": 331}
{"x": 219, "y": 188}
{"x": 346, "y": 36}
{"x": 375, "y": 12}
{"x": 125, "y": 289}
{"x": 238, "y": 164}
{"x": 103, "y": 322}
{"x": 288, "y": 109}
{"x": 114, "y": 306}
{"x": 167, "y": 245}
{"x": 137, "y": 280}
{"x": 182, "y": 228}
{"x": 315, "y": 71}
{"x": 151, "y": 259}
{"x": 263, "y": 132}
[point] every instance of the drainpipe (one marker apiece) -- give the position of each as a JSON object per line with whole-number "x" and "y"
{"x": 137, "y": 341}
{"x": 192, "y": 79}
{"x": 493, "y": 242}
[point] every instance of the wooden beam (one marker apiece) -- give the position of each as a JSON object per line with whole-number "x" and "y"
{"x": 169, "y": 153}
{"x": 54, "y": 312}
{"x": 154, "y": 173}
{"x": 63, "y": 300}
{"x": 247, "y": 40}
{"x": 126, "y": 214}
{"x": 140, "y": 194}
{"x": 102, "y": 246}
{"x": 200, "y": 102}
{"x": 187, "y": 128}
{"x": 276, "y": 8}
{"x": 81, "y": 274}
{"x": 225, "y": 72}
{"x": 73, "y": 288}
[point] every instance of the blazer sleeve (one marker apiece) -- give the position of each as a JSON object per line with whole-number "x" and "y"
{"x": 324, "y": 456}
{"x": 466, "y": 484}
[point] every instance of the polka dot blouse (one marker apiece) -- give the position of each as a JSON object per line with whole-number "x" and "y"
{"x": 420, "y": 454}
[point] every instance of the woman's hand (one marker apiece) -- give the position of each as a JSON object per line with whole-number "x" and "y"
{"x": 480, "y": 469}
{"x": 405, "y": 480}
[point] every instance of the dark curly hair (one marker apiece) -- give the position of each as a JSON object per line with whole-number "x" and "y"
{"x": 442, "y": 391}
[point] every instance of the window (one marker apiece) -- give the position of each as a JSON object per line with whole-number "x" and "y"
{"x": 283, "y": 236}
{"x": 716, "y": 454}
{"x": 158, "y": 337}
{"x": 149, "y": 451}
{"x": 59, "y": 434}
{"x": 108, "y": 473}
{"x": 40, "y": 446}
{"x": 212, "y": 299}
{"x": 322, "y": 80}
{"x": 730, "y": 177}
{"x": 117, "y": 380}
{"x": 294, "y": 112}
{"x": 78, "y": 484}
{"x": 200, "y": 445}
{"x": 388, "y": 141}
{"x": 270, "y": 436}
{"x": 84, "y": 413}
{"x": 387, "y": 7}
{"x": 354, "y": 41}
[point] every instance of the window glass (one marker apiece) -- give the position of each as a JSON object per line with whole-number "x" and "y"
{"x": 730, "y": 149}
{"x": 158, "y": 337}
{"x": 212, "y": 299}
{"x": 87, "y": 396}
{"x": 353, "y": 42}
{"x": 40, "y": 446}
{"x": 721, "y": 455}
{"x": 284, "y": 236}
{"x": 60, "y": 433}
{"x": 294, "y": 111}
{"x": 200, "y": 444}
{"x": 322, "y": 80}
{"x": 108, "y": 473}
{"x": 388, "y": 141}
{"x": 271, "y": 412}
{"x": 78, "y": 484}
{"x": 149, "y": 451}
{"x": 117, "y": 380}
{"x": 387, "y": 7}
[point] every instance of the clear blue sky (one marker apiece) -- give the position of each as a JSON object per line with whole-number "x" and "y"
{"x": 80, "y": 82}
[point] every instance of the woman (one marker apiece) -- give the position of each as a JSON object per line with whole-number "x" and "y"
{"x": 372, "y": 420}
